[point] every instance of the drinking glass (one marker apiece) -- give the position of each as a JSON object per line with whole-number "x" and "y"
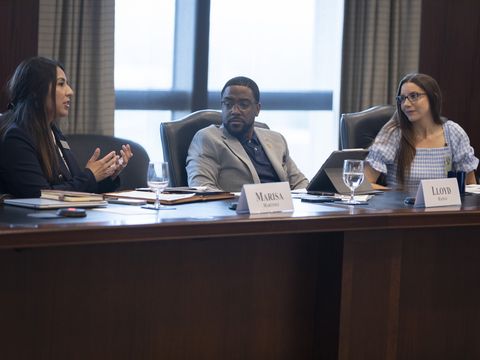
{"x": 352, "y": 177}
{"x": 157, "y": 180}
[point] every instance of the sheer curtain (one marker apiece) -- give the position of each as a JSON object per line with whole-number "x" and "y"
{"x": 80, "y": 34}
{"x": 381, "y": 41}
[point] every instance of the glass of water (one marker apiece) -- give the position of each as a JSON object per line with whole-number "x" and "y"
{"x": 352, "y": 177}
{"x": 157, "y": 180}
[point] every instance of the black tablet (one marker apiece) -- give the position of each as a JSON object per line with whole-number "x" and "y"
{"x": 329, "y": 179}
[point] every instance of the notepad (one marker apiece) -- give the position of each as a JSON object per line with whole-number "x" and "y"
{"x": 170, "y": 199}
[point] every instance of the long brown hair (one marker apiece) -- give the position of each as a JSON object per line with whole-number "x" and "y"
{"x": 406, "y": 152}
{"x": 32, "y": 83}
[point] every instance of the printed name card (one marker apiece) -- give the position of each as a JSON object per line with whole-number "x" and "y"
{"x": 438, "y": 192}
{"x": 265, "y": 198}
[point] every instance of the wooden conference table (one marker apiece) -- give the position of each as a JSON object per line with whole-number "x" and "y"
{"x": 382, "y": 281}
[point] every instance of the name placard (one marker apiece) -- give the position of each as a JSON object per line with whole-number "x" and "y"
{"x": 438, "y": 192}
{"x": 265, "y": 198}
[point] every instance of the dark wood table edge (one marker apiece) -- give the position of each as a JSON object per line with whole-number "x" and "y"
{"x": 101, "y": 233}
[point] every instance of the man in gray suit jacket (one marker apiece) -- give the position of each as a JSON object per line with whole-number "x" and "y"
{"x": 236, "y": 153}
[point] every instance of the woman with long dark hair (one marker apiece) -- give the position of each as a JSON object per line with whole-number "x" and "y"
{"x": 418, "y": 144}
{"x": 34, "y": 154}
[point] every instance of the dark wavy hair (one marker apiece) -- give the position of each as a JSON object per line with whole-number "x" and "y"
{"x": 407, "y": 152}
{"x": 243, "y": 81}
{"x": 32, "y": 83}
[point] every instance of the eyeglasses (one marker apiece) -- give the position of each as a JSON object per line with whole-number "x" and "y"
{"x": 242, "y": 104}
{"x": 412, "y": 97}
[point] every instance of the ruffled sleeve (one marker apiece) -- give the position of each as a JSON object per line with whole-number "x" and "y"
{"x": 463, "y": 154}
{"x": 384, "y": 149}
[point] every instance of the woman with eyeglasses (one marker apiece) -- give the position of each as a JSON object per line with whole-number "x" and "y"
{"x": 418, "y": 144}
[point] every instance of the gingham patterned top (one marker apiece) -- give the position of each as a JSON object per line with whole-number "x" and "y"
{"x": 429, "y": 163}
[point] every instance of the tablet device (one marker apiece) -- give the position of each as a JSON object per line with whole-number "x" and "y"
{"x": 126, "y": 201}
{"x": 39, "y": 203}
{"x": 329, "y": 179}
{"x": 318, "y": 198}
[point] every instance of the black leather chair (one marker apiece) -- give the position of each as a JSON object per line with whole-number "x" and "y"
{"x": 133, "y": 176}
{"x": 176, "y": 138}
{"x": 358, "y": 130}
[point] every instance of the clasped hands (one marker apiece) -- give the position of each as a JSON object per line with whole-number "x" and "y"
{"x": 111, "y": 165}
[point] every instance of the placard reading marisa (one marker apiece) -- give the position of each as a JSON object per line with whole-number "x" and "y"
{"x": 265, "y": 198}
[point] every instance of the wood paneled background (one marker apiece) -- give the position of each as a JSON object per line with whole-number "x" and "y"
{"x": 18, "y": 38}
{"x": 450, "y": 52}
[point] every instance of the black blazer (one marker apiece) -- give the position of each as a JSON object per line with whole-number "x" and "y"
{"x": 22, "y": 176}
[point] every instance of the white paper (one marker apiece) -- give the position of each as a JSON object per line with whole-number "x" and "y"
{"x": 149, "y": 195}
{"x": 472, "y": 189}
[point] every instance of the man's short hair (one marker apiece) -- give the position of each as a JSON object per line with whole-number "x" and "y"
{"x": 243, "y": 81}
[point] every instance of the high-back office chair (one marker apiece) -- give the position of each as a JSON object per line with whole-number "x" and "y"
{"x": 358, "y": 130}
{"x": 133, "y": 176}
{"x": 176, "y": 138}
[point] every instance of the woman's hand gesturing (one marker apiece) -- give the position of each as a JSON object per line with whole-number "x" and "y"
{"x": 126, "y": 155}
{"x": 104, "y": 167}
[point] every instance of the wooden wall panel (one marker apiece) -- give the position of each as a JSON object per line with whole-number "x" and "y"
{"x": 18, "y": 38}
{"x": 450, "y": 52}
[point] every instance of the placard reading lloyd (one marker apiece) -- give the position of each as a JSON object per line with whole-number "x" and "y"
{"x": 438, "y": 192}
{"x": 441, "y": 192}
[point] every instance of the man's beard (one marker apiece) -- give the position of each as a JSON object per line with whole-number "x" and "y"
{"x": 237, "y": 130}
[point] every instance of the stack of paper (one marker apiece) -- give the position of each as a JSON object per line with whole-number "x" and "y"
{"x": 73, "y": 196}
{"x": 472, "y": 189}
